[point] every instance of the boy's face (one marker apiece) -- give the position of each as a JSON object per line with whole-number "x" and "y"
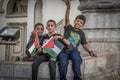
{"x": 78, "y": 24}
{"x": 39, "y": 29}
{"x": 51, "y": 27}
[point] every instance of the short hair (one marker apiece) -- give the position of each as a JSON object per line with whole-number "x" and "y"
{"x": 82, "y": 17}
{"x": 38, "y": 24}
{"x": 51, "y": 20}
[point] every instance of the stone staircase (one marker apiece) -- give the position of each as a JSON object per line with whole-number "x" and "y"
{"x": 104, "y": 67}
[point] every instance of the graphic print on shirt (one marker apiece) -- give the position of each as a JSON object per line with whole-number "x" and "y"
{"x": 74, "y": 38}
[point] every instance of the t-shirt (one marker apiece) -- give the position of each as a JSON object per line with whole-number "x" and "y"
{"x": 75, "y": 37}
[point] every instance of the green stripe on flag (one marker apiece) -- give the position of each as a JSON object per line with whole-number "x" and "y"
{"x": 33, "y": 52}
{"x": 50, "y": 52}
{"x": 56, "y": 49}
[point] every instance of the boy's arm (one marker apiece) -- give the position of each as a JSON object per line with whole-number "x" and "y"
{"x": 67, "y": 14}
{"x": 63, "y": 39}
{"x": 66, "y": 41}
{"x": 86, "y": 47}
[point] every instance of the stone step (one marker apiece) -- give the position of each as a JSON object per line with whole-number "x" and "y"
{"x": 104, "y": 67}
{"x": 22, "y": 70}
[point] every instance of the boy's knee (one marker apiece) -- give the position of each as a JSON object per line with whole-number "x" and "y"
{"x": 75, "y": 54}
{"x": 33, "y": 64}
{"x": 63, "y": 61}
{"x": 62, "y": 56}
{"x": 52, "y": 63}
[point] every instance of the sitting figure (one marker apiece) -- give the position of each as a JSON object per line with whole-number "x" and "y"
{"x": 38, "y": 30}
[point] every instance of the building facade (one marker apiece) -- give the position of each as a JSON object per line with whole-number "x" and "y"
{"x": 102, "y": 31}
{"x": 25, "y": 13}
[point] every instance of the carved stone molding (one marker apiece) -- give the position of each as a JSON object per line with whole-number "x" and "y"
{"x": 102, "y": 26}
{"x": 18, "y": 50}
{"x": 1, "y": 10}
{"x": 99, "y": 4}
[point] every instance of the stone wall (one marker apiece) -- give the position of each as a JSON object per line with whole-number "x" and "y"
{"x": 102, "y": 26}
{"x": 100, "y": 68}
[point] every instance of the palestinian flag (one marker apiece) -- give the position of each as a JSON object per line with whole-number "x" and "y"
{"x": 53, "y": 47}
{"x": 33, "y": 48}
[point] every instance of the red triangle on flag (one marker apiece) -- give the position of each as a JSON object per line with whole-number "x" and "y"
{"x": 50, "y": 44}
{"x": 36, "y": 40}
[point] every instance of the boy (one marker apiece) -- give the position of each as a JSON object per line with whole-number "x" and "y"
{"x": 75, "y": 36}
{"x": 51, "y": 25}
{"x": 38, "y": 30}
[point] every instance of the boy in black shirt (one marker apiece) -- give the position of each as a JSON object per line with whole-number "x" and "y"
{"x": 75, "y": 36}
{"x": 38, "y": 30}
{"x": 51, "y": 26}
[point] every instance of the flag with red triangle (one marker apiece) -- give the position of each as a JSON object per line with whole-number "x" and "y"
{"x": 53, "y": 47}
{"x": 33, "y": 48}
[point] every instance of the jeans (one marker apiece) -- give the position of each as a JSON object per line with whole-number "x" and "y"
{"x": 63, "y": 59}
{"x": 38, "y": 61}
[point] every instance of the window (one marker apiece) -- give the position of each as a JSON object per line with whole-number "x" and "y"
{"x": 17, "y": 8}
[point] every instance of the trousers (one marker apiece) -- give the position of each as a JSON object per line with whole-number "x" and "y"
{"x": 76, "y": 59}
{"x": 38, "y": 61}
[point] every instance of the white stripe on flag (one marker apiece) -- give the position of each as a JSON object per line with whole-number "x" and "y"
{"x": 31, "y": 48}
{"x": 56, "y": 49}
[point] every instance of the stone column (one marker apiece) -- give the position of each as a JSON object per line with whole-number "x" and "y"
{"x": 102, "y": 26}
{"x": 1, "y": 10}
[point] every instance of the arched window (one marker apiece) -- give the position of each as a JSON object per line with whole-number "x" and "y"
{"x": 38, "y": 11}
{"x": 1, "y": 4}
{"x": 17, "y": 8}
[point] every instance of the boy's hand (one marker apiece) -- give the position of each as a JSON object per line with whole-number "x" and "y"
{"x": 38, "y": 46}
{"x": 67, "y": 2}
{"x": 93, "y": 55}
{"x": 57, "y": 37}
{"x": 34, "y": 32}
{"x": 40, "y": 49}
